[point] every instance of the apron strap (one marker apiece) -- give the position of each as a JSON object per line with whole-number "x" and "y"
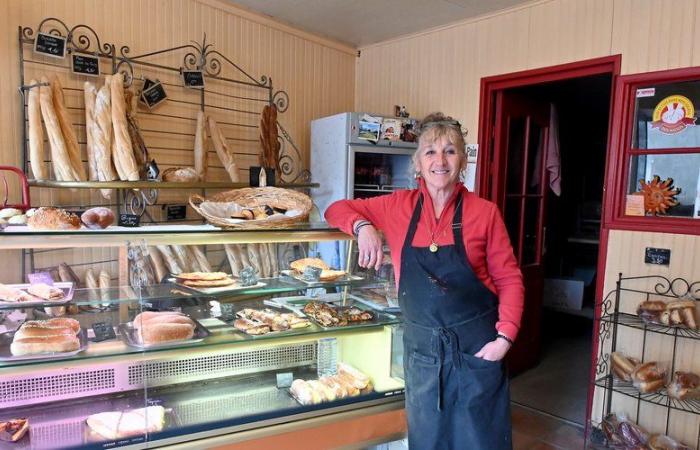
{"x": 413, "y": 225}
{"x": 457, "y": 229}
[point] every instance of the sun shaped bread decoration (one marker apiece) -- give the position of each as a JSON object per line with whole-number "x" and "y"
{"x": 658, "y": 195}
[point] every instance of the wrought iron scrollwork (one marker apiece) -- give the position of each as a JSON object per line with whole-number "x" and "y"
{"x": 281, "y": 100}
{"x": 676, "y": 287}
{"x": 140, "y": 272}
{"x": 136, "y": 201}
{"x": 80, "y": 38}
{"x": 288, "y": 158}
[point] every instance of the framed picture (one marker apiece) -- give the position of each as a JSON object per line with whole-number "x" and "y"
{"x": 391, "y": 129}
{"x": 369, "y": 131}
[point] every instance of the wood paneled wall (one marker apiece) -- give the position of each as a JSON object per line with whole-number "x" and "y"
{"x": 317, "y": 74}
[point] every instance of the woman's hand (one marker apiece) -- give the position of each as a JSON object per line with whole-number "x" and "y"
{"x": 369, "y": 244}
{"x": 494, "y": 351}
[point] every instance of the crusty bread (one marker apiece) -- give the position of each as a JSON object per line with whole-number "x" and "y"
{"x": 180, "y": 174}
{"x": 157, "y": 263}
{"x": 90, "y": 93}
{"x": 300, "y": 264}
{"x": 66, "y": 125}
{"x": 90, "y": 279}
{"x": 234, "y": 260}
{"x": 222, "y": 150}
{"x": 200, "y": 151}
{"x": 64, "y": 322}
{"x": 36, "y": 134}
{"x": 200, "y": 257}
{"x": 39, "y": 331}
{"x": 49, "y": 218}
{"x": 124, "y": 159}
{"x": 102, "y": 136}
{"x": 330, "y": 275}
{"x": 60, "y": 159}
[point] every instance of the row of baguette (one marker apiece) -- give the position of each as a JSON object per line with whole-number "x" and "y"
{"x": 115, "y": 147}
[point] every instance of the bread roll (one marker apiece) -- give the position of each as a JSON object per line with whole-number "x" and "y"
{"x": 60, "y": 158}
{"x": 98, "y": 218}
{"x": 201, "y": 258}
{"x": 67, "y": 129}
{"x": 90, "y": 94}
{"x": 73, "y": 324}
{"x": 102, "y": 136}
{"x": 36, "y": 134}
{"x": 90, "y": 279}
{"x": 159, "y": 327}
{"x": 157, "y": 263}
{"x": 304, "y": 394}
{"x": 123, "y": 155}
{"x": 39, "y": 331}
{"x": 200, "y": 151}
{"x": 47, "y": 218}
{"x": 222, "y": 150}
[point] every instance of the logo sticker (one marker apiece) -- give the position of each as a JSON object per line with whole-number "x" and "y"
{"x": 673, "y": 114}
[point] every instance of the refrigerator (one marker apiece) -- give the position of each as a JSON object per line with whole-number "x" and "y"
{"x": 350, "y": 158}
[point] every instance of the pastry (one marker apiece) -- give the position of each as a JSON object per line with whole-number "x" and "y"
{"x": 36, "y": 134}
{"x": 66, "y": 125}
{"x": 17, "y": 220}
{"x": 180, "y": 174}
{"x": 98, "y": 218}
{"x": 46, "y": 292}
{"x": 200, "y": 151}
{"x": 11, "y": 294}
{"x": 209, "y": 283}
{"x": 622, "y": 366}
{"x": 13, "y": 430}
{"x": 360, "y": 379}
{"x": 121, "y": 424}
{"x": 648, "y": 377}
{"x": 662, "y": 442}
{"x": 300, "y": 264}
{"x": 685, "y": 385}
{"x": 49, "y": 218}
{"x": 202, "y": 276}
{"x": 251, "y": 327}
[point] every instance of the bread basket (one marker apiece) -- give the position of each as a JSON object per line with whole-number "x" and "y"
{"x": 253, "y": 197}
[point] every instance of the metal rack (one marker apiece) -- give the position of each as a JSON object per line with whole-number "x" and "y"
{"x": 611, "y": 319}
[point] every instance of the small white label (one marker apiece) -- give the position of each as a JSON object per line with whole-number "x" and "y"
{"x": 284, "y": 380}
{"x": 646, "y": 92}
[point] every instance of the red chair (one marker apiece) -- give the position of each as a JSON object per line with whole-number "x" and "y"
{"x": 26, "y": 202}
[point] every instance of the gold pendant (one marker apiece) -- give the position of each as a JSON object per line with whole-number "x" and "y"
{"x": 433, "y": 247}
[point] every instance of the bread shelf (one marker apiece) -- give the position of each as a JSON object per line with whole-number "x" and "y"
{"x": 633, "y": 321}
{"x": 153, "y": 185}
{"x": 658, "y": 398}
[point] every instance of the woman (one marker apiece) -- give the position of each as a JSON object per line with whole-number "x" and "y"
{"x": 460, "y": 291}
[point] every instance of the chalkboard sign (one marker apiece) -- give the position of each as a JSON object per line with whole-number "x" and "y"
{"x": 85, "y": 65}
{"x": 50, "y": 45}
{"x": 254, "y": 174}
{"x": 193, "y": 79}
{"x": 659, "y": 256}
{"x": 175, "y": 212}
{"x": 154, "y": 94}
{"x": 103, "y": 331}
{"x": 129, "y": 220}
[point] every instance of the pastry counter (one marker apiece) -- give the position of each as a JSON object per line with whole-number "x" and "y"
{"x": 203, "y": 354}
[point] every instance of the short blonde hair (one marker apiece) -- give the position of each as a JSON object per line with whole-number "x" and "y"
{"x": 436, "y": 126}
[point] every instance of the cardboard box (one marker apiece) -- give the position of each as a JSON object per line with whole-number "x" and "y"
{"x": 563, "y": 293}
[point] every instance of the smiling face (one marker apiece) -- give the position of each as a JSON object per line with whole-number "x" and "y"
{"x": 439, "y": 160}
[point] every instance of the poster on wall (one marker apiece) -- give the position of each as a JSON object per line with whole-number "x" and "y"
{"x": 391, "y": 129}
{"x": 368, "y": 131}
{"x": 673, "y": 115}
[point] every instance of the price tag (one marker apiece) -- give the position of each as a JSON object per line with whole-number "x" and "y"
{"x": 193, "y": 79}
{"x": 154, "y": 94}
{"x": 227, "y": 312}
{"x": 40, "y": 277}
{"x": 50, "y": 45}
{"x": 129, "y": 220}
{"x": 85, "y": 65}
{"x": 284, "y": 380}
{"x": 103, "y": 331}
{"x": 175, "y": 212}
{"x": 658, "y": 256}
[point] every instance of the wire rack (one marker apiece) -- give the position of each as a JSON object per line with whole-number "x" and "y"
{"x": 610, "y": 322}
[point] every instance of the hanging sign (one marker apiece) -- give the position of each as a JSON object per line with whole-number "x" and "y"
{"x": 193, "y": 79}
{"x": 153, "y": 93}
{"x": 50, "y": 45}
{"x": 85, "y": 65}
{"x": 673, "y": 114}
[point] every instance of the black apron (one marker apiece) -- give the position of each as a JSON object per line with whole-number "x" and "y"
{"x": 454, "y": 400}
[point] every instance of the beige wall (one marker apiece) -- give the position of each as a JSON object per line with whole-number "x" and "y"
{"x": 440, "y": 70}
{"x": 318, "y": 75}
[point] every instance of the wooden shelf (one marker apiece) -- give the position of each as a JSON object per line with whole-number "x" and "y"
{"x": 153, "y": 185}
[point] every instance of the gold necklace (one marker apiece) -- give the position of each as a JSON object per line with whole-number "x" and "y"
{"x": 433, "y": 245}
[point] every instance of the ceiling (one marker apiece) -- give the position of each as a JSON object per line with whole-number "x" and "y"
{"x": 359, "y": 23}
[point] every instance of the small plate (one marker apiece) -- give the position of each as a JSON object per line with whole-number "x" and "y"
{"x": 6, "y": 354}
{"x": 130, "y": 336}
{"x": 66, "y": 286}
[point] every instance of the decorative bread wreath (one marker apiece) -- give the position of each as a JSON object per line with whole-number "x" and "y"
{"x": 658, "y": 195}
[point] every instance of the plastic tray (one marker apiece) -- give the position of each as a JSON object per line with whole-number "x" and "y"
{"x": 66, "y": 286}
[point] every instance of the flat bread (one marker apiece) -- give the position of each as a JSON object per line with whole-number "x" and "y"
{"x": 300, "y": 264}
{"x": 329, "y": 275}
{"x": 209, "y": 283}
{"x": 202, "y": 276}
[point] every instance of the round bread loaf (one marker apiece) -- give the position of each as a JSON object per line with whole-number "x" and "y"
{"x": 49, "y": 218}
{"x": 157, "y": 333}
{"x": 98, "y": 218}
{"x": 180, "y": 174}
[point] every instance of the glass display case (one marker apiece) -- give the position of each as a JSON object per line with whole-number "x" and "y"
{"x": 156, "y": 361}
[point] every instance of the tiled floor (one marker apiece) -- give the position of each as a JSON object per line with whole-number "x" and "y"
{"x": 536, "y": 431}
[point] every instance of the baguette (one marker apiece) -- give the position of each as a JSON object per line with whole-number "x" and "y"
{"x": 192, "y": 259}
{"x": 65, "y": 273}
{"x": 123, "y": 152}
{"x": 200, "y": 151}
{"x": 36, "y": 134}
{"x": 181, "y": 256}
{"x": 90, "y": 96}
{"x": 265, "y": 267}
{"x": 201, "y": 258}
{"x": 234, "y": 261}
{"x": 104, "y": 282}
{"x": 170, "y": 260}
{"x": 63, "y": 170}
{"x": 102, "y": 136}
{"x": 222, "y": 150}
{"x": 274, "y": 262}
{"x": 254, "y": 256}
{"x": 91, "y": 280}
{"x": 67, "y": 129}
{"x": 157, "y": 263}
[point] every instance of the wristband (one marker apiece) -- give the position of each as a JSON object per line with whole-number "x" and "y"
{"x": 358, "y": 225}
{"x": 505, "y": 338}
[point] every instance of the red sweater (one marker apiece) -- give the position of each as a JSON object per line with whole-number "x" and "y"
{"x": 488, "y": 247}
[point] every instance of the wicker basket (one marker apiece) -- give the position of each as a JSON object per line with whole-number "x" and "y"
{"x": 254, "y": 197}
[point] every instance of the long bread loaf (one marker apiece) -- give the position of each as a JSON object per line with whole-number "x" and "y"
{"x": 200, "y": 151}
{"x": 90, "y": 96}
{"x": 169, "y": 259}
{"x": 62, "y": 167}
{"x": 123, "y": 155}
{"x": 201, "y": 258}
{"x": 71, "y": 139}
{"x": 234, "y": 261}
{"x": 102, "y": 136}
{"x": 36, "y": 134}
{"x": 222, "y": 150}
{"x": 157, "y": 263}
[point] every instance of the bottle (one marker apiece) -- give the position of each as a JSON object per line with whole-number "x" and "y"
{"x": 327, "y": 357}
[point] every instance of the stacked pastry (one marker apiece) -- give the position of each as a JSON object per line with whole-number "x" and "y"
{"x": 647, "y": 377}
{"x": 204, "y": 279}
{"x": 348, "y": 382}
{"x": 676, "y": 313}
{"x": 121, "y": 424}
{"x": 329, "y": 316}
{"x": 46, "y": 336}
{"x": 684, "y": 386}
{"x": 12, "y": 216}
{"x": 161, "y": 327}
{"x": 35, "y": 292}
{"x": 256, "y": 322}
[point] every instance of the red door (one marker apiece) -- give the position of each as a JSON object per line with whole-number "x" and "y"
{"x": 518, "y": 188}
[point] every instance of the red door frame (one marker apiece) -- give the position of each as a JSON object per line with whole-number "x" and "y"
{"x": 487, "y": 165}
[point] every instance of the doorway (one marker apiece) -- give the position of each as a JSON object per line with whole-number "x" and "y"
{"x": 553, "y": 214}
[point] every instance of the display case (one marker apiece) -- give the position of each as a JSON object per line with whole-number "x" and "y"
{"x": 134, "y": 381}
